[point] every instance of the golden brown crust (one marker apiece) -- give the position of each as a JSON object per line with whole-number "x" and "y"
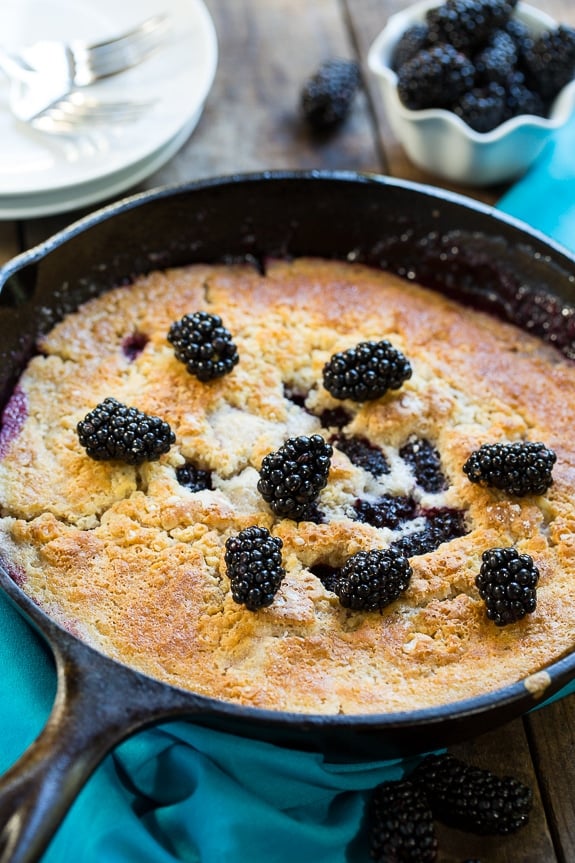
{"x": 131, "y": 561}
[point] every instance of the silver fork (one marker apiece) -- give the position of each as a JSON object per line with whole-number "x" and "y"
{"x": 77, "y": 109}
{"x": 48, "y": 73}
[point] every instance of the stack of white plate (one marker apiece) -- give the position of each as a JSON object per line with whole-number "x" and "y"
{"x": 41, "y": 173}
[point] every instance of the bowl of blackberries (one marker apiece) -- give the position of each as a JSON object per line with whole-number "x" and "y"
{"x": 475, "y": 89}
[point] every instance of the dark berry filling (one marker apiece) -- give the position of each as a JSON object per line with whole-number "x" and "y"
{"x": 194, "y": 478}
{"x": 335, "y": 418}
{"x": 327, "y": 574}
{"x": 387, "y": 511}
{"x": 425, "y": 463}
{"x": 296, "y": 396}
{"x": 442, "y": 525}
{"x": 363, "y": 454}
{"x": 134, "y": 344}
{"x": 13, "y": 419}
{"x": 14, "y": 572}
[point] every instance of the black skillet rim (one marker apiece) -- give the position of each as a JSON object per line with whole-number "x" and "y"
{"x": 515, "y": 699}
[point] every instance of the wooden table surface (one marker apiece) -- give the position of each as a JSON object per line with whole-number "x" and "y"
{"x": 251, "y": 122}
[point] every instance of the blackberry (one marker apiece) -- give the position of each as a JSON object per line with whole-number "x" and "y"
{"x": 483, "y": 108}
{"x": 472, "y": 798}
{"x": 387, "y": 511}
{"x": 193, "y": 478}
{"x": 114, "y": 431}
{"x": 254, "y": 566}
{"x": 521, "y": 35}
{"x": 425, "y": 463}
{"x": 366, "y": 371}
{"x": 291, "y": 478}
{"x": 442, "y": 525}
{"x": 203, "y": 345}
{"x": 401, "y": 824}
{"x": 507, "y": 583}
{"x": 550, "y": 61}
{"x": 497, "y": 61}
{"x": 519, "y": 468}
{"x": 327, "y": 96}
{"x": 363, "y": 454}
{"x": 408, "y": 45}
{"x": 467, "y": 24}
{"x": 520, "y": 99}
{"x": 370, "y": 580}
{"x": 435, "y": 78}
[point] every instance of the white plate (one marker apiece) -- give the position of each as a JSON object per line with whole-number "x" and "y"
{"x": 175, "y": 80}
{"x": 31, "y": 206}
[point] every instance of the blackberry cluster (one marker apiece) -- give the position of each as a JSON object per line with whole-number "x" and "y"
{"x": 472, "y": 798}
{"x": 467, "y": 24}
{"x": 507, "y": 583}
{"x": 363, "y": 454}
{"x": 370, "y": 580}
{"x": 473, "y": 57}
{"x": 436, "y": 77}
{"x": 254, "y": 566}
{"x": 550, "y": 61}
{"x": 292, "y": 477}
{"x": 519, "y": 468}
{"x": 114, "y": 431}
{"x": 203, "y": 345}
{"x": 366, "y": 372}
{"x": 401, "y": 825}
{"x": 327, "y": 96}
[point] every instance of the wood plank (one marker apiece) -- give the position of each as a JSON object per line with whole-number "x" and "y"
{"x": 367, "y": 18}
{"x": 252, "y": 119}
{"x": 9, "y": 243}
{"x": 552, "y": 734}
{"x": 504, "y": 752}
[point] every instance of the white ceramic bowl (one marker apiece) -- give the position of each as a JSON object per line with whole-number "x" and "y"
{"x": 439, "y": 141}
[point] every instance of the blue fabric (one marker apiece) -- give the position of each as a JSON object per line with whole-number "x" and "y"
{"x": 182, "y": 793}
{"x": 545, "y": 196}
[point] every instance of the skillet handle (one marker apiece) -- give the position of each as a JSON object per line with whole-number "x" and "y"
{"x": 98, "y": 704}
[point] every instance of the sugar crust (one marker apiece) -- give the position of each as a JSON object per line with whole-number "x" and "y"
{"x": 132, "y": 562}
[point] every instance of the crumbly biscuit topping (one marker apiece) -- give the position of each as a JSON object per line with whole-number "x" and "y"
{"x": 132, "y": 559}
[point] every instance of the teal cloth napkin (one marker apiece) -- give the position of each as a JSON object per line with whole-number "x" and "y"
{"x": 545, "y": 196}
{"x": 183, "y": 793}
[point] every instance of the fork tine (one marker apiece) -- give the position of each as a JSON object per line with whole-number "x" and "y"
{"x": 128, "y": 49}
{"x": 77, "y": 110}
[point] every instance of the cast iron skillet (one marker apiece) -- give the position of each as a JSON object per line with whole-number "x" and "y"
{"x": 446, "y": 241}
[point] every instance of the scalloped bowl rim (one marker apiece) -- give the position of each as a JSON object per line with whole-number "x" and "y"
{"x": 380, "y": 54}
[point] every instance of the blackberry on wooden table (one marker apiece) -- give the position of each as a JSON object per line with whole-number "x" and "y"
{"x": 472, "y": 798}
{"x": 401, "y": 826}
{"x": 327, "y": 96}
